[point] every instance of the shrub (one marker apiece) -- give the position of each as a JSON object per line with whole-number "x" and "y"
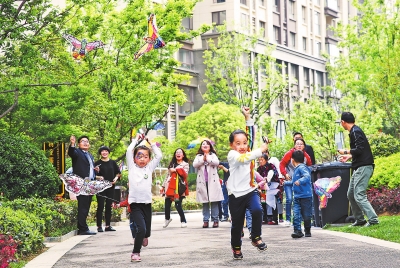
{"x": 189, "y": 203}
{"x": 192, "y": 181}
{"x": 385, "y": 200}
{"x": 8, "y": 248}
{"x": 24, "y": 170}
{"x": 383, "y": 144}
{"x": 386, "y": 172}
{"x": 25, "y": 228}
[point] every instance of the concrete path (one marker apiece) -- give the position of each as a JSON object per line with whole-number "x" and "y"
{"x": 197, "y": 247}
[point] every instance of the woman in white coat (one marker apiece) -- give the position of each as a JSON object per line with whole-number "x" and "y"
{"x": 208, "y": 186}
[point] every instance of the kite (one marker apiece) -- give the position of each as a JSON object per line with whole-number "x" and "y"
{"x": 78, "y": 186}
{"x": 153, "y": 41}
{"x": 324, "y": 188}
{"x": 81, "y": 48}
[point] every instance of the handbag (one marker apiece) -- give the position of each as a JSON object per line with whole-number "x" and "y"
{"x": 181, "y": 185}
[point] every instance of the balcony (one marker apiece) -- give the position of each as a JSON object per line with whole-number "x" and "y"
{"x": 330, "y": 37}
{"x": 329, "y": 11}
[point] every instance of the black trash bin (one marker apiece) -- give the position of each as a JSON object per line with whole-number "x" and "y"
{"x": 338, "y": 207}
{"x": 117, "y": 193}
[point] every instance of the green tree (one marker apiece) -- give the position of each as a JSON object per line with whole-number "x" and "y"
{"x": 316, "y": 119}
{"x": 214, "y": 121}
{"x": 372, "y": 65}
{"x": 237, "y": 75}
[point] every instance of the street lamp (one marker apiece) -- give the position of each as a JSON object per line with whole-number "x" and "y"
{"x": 339, "y": 139}
{"x": 280, "y": 128}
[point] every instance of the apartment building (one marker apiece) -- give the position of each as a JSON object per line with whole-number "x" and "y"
{"x": 300, "y": 29}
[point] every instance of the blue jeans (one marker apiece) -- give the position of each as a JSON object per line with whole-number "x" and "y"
{"x": 225, "y": 202}
{"x": 249, "y": 221}
{"x": 302, "y": 208}
{"x": 214, "y": 212}
{"x": 289, "y": 198}
{"x": 237, "y": 207}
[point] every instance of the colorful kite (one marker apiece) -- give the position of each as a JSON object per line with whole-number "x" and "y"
{"x": 153, "y": 41}
{"x": 324, "y": 188}
{"x": 78, "y": 186}
{"x": 81, "y": 48}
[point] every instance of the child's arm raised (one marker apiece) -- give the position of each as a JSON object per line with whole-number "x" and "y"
{"x": 129, "y": 151}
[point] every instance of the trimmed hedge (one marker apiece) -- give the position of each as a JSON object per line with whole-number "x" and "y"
{"x": 383, "y": 145}
{"x": 386, "y": 172}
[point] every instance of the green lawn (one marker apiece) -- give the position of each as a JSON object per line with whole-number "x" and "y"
{"x": 388, "y": 229}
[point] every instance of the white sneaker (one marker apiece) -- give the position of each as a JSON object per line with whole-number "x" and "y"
{"x": 166, "y": 223}
{"x": 183, "y": 224}
{"x": 288, "y": 223}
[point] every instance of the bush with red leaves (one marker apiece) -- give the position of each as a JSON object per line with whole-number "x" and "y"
{"x": 385, "y": 200}
{"x": 8, "y": 248}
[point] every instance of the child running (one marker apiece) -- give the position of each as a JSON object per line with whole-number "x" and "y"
{"x": 140, "y": 170}
{"x": 242, "y": 191}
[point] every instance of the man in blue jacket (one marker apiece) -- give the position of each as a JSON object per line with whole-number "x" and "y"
{"x": 83, "y": 166}
{"x": 363, "y": 168}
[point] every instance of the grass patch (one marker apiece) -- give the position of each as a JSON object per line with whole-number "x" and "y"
{"x": 388, "y": 229}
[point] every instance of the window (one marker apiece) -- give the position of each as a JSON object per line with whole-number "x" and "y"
{"x": 276, "y": 5}
{"x": 304, "y": 44}
{"x": 306, "y": 73}
{"x": 317, "y": 23}
{"x": 219, "y": 17}
{"x": 319, "y": 48}
{"x": 294, "y": 73}
{"x": 291, "y": 9}
{"x": 262, "y": 28}
{"x": 187, "y": 24}
{"x": 262, "y": 3}
{"x": 303, "y": 14}
{"x": 311, "y": 21}
{"x": 284, "y": 37}
{"x": 244, "y": 22}
{"x": 186, "y": 59}
{"x": 277, "y": 34}
{"x": 243, "y": 2}
{"x": 318, "y": 2}
{"x": 311, "y": 47}
{"x": 320, "y": 82}
{"x": 219, "y": 1}
{"x": 292, "y": 40}
{"x": 188, "y": 106}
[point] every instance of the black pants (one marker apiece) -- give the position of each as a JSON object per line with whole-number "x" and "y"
{"x": 141, "y": 215}
{"x": 178, "y": 206}
{"x": 100, "y": 206}
{"x": 83, "y": 211}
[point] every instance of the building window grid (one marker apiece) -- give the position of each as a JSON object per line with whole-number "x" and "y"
{"x": 277, "y": 34}
{"x": 277, "y": 5}
{"x": 262, "y": 28}
{"x": 291, "y": 9}
{"x": 186, "y": 59}
{"x": 218, "y": 17}
{"x": 317, "y": 23}
{"x": 292, "y": 40}
{"x": 304, "y": 44}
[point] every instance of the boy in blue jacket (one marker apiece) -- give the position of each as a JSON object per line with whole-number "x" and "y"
{"x": 302, "y": 193}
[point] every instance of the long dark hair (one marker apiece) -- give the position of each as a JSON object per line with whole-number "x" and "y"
{"x": 212, "y": 150}
{"x": 174, "y": 163}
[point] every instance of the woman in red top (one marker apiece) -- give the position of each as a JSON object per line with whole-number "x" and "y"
{"x": 287, "y": 169}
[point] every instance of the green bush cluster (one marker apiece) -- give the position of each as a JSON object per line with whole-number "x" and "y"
{"x": 383, "y": 145}
{"x": 25, "y": 228}
{"x": 24, "y": 170}
{"x": 386, "y": 172}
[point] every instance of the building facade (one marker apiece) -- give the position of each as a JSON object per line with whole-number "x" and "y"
{"x": 300, "y": 29}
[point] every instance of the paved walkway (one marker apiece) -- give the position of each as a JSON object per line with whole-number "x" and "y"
{"x": 197, "y": 247}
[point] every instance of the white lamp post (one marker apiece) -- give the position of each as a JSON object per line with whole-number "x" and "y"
{"x": 280, "y": 128}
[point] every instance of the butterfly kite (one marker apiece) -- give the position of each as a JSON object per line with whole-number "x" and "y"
{"x": 324, "y": 188}
{"x": 81, "y": 48}
{"x": 153, "y": 41}
{"x": 78, "y": 186}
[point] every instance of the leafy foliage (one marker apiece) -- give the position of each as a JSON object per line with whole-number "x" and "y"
{"x": 214, "y": 121}
{"x": 24, "y": 170}
{"x": 386, "y": 172}
{"x": 371, "y": 67}
{"x": 233, "y": 68}
{"x": 8, "y": 248}
{"x": 385, "y": 200}
{"x": 383, "y": 145}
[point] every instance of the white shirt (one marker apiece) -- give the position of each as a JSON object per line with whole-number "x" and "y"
{"x": 140, "y": 179}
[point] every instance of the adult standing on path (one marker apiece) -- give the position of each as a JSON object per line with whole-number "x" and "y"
{"x": 109, "y": 170}
{"x": 208, "y": 186}
{"x": 83, "y": 166}
{"x": 363, "y": 167}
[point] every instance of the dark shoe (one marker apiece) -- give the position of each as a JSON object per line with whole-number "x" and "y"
{"x": 86, "y": 233}
{"x": 368, "y": 224}
{"x": 297, "y": 234}
{"x": 237, "y": 254}
{"x": 109, "y": 228}
{"x": 205, "y": 224}
{"x": 259, "y": 244}
{"x": 307, "y": 232}
{"x": 100, "y": 229}
{"x": 215, "y": 225}
{"x": 359, "y": 223}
